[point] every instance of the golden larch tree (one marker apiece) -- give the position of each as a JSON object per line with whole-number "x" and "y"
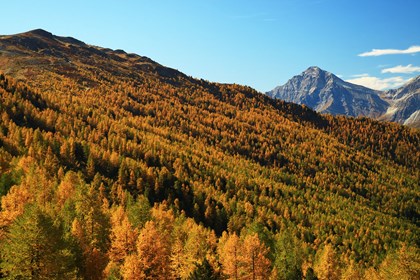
{"x": 327, "y": 267}
{"x": 255, "y": 263}
{"x": 230, "y": 255}
{"x": 153, "y": 250}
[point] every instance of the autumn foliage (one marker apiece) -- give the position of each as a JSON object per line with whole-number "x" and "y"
{"x": 118, "y": 173}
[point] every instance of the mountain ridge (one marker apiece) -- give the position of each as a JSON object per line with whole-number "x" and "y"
{"x": 42, "y": 46}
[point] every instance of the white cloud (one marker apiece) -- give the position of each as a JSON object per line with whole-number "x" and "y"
{"x": 378, "y": 83}
{"x": 360, "y": 75}
{"x": 402, "y": 69}
{"x": 378, "y": 52}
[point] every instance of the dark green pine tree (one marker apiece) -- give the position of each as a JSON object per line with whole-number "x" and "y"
{"x": 204, "y": 271}
{"x": 35, "y": 248}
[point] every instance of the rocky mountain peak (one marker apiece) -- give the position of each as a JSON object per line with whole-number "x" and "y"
{"x": 326, "y": 93}
{"x": 40, "y": 33}
{"x": 314, "y": 70}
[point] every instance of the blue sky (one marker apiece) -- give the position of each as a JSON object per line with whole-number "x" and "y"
{"x": 259, "y": 43}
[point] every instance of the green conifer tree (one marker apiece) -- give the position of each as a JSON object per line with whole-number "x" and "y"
{"x": 204, "y": 271}
{"x": 35, "y": 248}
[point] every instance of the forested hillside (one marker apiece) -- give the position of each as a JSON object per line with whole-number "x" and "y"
{"x": 113, "y": 166}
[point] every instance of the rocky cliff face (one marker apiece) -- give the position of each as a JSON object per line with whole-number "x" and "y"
{"x": 404, "y": 104}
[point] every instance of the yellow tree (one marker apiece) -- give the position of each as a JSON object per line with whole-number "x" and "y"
{"x": 177, "y": 258}
{"x": 132, "y": 269}
{"x": 123, "y": 239}
{"x": 67, "y": 187}
{"x": 372, "y": 274}
{"x": 404, "y": 264}
{"x": 352, "y": 272}
{"x": 230, "y": 255}
{"x": 34, "y": 187}
{"x": 123, "y": 236}
{"x": 13, "y": 205}
{"x": 191, "y": 245}
{"x": 164, "y": 218}
{"x": 255, "y": 263}
{"x": 327, "y": 267}
{"x": 153, "y": 250}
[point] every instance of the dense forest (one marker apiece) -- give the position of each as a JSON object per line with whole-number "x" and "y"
{"x": 115, "y": 167}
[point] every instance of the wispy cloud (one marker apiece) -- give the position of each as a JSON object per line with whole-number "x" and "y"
{"x": 378, "y": 52}
{"x": 378, "y": 83}
{"x": 360, "y": 75}
{"x": 402, "y": 69}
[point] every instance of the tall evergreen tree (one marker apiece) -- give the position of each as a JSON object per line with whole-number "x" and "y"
{"x": 91, "y": 228}
{"x": 288, "y": 257}
{"x": 35, "y": 248}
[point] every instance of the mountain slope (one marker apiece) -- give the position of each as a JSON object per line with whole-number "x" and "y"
{"x": 224, "y": 155}
{"x": 30, "y": 54}
{"x": 404, "y": 104}
{"x": 326, "y": 93}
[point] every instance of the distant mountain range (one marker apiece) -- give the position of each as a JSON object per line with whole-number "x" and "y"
{"x": 326, "y": 93}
